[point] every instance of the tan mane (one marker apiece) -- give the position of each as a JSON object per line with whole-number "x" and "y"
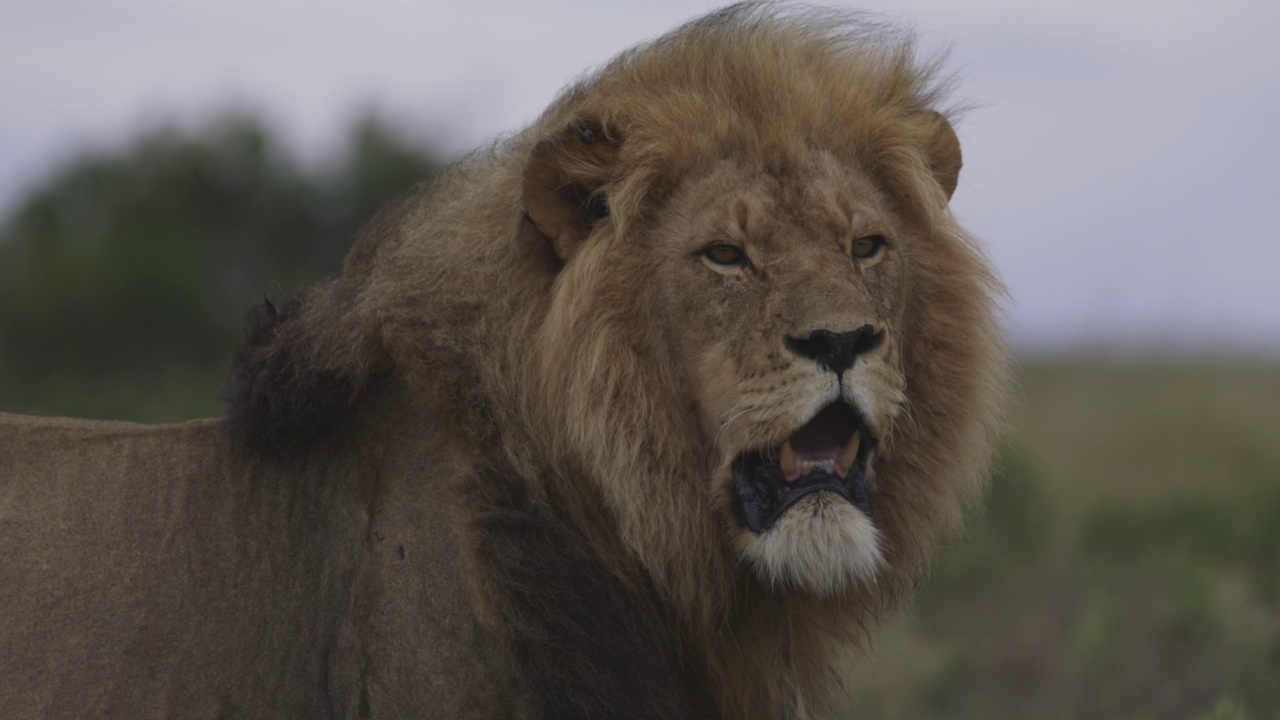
{"x": 750, "y": 81}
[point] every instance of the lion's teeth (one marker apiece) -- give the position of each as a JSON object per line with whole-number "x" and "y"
{"x": 809, "y": 465}
{"x": 849, "y": 453}
{"x": 787, "y": 459}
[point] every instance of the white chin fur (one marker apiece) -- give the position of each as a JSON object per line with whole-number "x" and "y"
{"x": 821, "y": 544}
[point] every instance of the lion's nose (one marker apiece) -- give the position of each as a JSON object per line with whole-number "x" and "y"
{"x": 836, "y": 351}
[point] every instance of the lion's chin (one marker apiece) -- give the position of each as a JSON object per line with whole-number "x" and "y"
{"x": 821, "y": 544}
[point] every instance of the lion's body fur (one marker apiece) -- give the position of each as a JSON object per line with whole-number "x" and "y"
{"x": 162, "y": 572}
{"x": 469, "y": 476}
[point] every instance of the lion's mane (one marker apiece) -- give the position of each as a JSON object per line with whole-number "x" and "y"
{"x": 566, "y": 431}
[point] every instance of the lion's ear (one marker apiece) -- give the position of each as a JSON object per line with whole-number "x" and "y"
{"x": 943, "y": 150}
{"x": 564, "y": 182}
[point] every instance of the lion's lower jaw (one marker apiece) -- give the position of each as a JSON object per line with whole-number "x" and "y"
{"x": 822, "y": 544}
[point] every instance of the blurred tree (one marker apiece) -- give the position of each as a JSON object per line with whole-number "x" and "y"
{"x": 124, "y": 278}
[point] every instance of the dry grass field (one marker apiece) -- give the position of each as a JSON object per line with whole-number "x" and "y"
{"x": 1127, "y": 564}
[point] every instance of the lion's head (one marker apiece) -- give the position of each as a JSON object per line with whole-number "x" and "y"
{"x": 769, "y": 339}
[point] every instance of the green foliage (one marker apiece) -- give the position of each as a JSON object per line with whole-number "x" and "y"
{"x": 124, "y": 278}
{"x": 947, "y": 689}
{"x": 1228, "y": 708}
{"x": 1214, "y": 530}
{"x": 1009, "y": 529}
{"x": 1096, "y": 636}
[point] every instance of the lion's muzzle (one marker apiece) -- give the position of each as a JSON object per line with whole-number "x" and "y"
{"x": 827, "y": 454}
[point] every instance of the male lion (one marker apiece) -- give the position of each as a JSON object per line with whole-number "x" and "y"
{"x": 639, "y": 413}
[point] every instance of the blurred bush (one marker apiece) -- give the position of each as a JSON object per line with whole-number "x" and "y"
{"x": 124, "y": 277}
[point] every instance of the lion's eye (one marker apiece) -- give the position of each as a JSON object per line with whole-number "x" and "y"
{"x": 725, "y": 255}
{"x": 865, "y": 247}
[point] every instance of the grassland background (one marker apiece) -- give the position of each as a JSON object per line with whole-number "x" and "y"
{"x": 1126, "y": 563}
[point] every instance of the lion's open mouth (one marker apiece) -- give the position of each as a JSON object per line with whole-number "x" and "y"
{"x": 828, "y": 454}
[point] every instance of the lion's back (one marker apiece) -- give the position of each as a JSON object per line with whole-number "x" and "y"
{"x": 152, "y": 571}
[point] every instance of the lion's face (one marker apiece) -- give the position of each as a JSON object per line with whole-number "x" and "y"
{"x": 772, "y": 320}
{"x": 781, "y": 294}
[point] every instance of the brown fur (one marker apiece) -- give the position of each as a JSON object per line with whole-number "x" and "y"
{"x": 484, "y": 473}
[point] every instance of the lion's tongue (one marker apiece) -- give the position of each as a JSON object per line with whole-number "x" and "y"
{"x": 830, "y": 441}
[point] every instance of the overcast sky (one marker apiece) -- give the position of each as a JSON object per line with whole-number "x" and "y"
{"x": 1121, "y": 163}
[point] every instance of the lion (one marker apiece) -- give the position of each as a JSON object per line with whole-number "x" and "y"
{"x": 645, "y": 411}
